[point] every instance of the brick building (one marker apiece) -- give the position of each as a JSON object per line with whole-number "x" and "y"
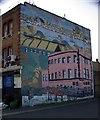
{"x": 96, "y": 68}
{"x": 10, "y": 35}
{"x": 10, "y": 64}
{"x": 68, "y": 69}
{"x": 29, "y": 35}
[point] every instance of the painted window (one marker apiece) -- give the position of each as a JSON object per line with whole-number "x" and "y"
{"x": 76, "y": 83}
{"x": 75, "y": 73}
{"x": 49, "y": 76}
{"x": 88, "y": 89}
{"x": 75, "y": 59}
{"x": 64, "y": 73}
{"x": 44, "y": 53}
{"x": 55, "y": 75}
{"x": 43, "y": 77}
{"x": 51, "y": 61}
{"x": 86, "y": 73}
{"x": 85, "y": 61}
{"x": 31, "y": 51}
{"x": 55, "y": 61}
{"x": 83, "y": 83}
{"x": 65, "y": 86}
{"x": 59, "y": 74}
{"x": 52, "y": 76}
{"x": 68, "y": 59}
{"x": 48, "y": 53}
{"x": 40, "y": 52}
{"x": 26, "y": 50}
{"x": 63, "y": 60}
{"x": 73, "y": 83}
{"x": 59, "y": 60}
{"x": 85, "y": 89}
{"x": 46, "y": 77}
{"x": 69, "y": 73}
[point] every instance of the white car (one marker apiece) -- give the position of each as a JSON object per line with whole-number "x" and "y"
{"x": 3, "y": 106}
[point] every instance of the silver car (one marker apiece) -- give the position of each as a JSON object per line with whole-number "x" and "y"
{"x": 3, "y": 106}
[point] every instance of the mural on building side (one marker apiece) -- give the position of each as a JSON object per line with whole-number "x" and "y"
{"x": 42, "y": 35}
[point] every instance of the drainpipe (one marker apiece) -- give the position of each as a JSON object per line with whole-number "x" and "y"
{"x": 48, "y": 81}
{"x": 78, "y": 62}
{"x": 92, "y": 73}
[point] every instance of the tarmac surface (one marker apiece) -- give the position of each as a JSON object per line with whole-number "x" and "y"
{"x": 83, "y": 109}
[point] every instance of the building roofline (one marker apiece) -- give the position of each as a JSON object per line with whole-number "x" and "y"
{"x": 57, "y": 15}
{"x": 59, "y": 53}
{"x": 10, "y": 10}
{"x": 45, "y": 11}
{"x": 70, "y": 51}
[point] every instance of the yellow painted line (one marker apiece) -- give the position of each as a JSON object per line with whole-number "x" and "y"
{"x": 22, "y": 42}
{"x": 52, "y": 46}
{"x": 43, "y": 45}
{"x": 23, "y": 38}
{"x": 35, "y": 43}
{"x": 27, "y": 42}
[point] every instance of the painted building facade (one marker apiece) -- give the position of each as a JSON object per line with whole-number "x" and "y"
{"x": 39, "y": 35}
{"x": 43, "y": 33}
{"x": 68, "y": 69}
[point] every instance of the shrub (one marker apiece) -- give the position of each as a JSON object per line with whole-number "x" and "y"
{"x": 14, "y": 104}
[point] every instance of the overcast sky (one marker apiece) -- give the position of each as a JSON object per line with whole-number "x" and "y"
{"x": 82, "y": 12}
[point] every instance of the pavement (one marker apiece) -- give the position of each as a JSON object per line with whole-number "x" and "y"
{"x": 39, "y": 107}
{"x": 31, "y": 108}
{"x": 79, "y": 109}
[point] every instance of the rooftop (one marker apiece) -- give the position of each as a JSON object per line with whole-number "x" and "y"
{"x": 26, "y": 4}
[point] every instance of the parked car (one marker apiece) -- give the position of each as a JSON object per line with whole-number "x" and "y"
{"x": 3, "y": 106}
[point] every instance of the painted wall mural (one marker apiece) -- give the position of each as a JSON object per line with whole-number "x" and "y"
{"x": 41, "y": 34}
{"x": 50, "y": 27}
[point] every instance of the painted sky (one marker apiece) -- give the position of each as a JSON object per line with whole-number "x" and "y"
{"x": 82, "y": 12}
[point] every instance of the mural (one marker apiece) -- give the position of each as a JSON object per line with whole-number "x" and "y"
{"x": 52, "y": 28}
{"x": 41, "y": 34}
{"x": 33, "y": 64}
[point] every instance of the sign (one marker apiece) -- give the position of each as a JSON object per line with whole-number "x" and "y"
{"x": 8, "y": 81}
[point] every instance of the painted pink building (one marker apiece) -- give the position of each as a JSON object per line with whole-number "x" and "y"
{"x": 68, "y": 69}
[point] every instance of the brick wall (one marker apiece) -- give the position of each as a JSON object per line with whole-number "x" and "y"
{"x": 14, "y": 39}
